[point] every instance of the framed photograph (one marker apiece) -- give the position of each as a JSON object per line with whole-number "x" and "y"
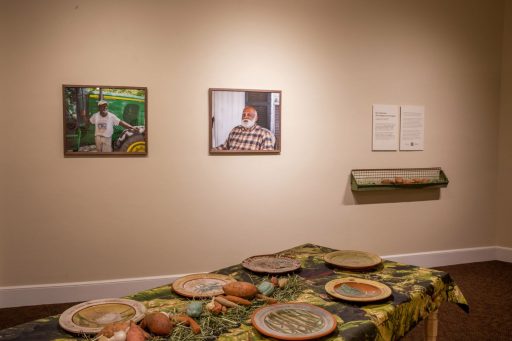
{"x": 105, "y": 120}
{"x": 245, "y": 121}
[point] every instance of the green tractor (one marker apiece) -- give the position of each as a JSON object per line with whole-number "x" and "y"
{"x": 129, "y": 105}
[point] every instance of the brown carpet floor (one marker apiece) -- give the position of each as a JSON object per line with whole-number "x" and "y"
{"x": 487, "y": 286}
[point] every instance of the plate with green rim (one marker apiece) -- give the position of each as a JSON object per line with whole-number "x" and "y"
{"x": 293, "y": 321}
{"x": 357, "y": 289}
{"x": 90, "y": 317}
{"x": 352, "y": 259}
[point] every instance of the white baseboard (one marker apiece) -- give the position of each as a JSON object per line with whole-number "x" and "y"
{"x": 25, "y": 295}
{"x": 504, "y": 254}
{"x": 456, "y": 256}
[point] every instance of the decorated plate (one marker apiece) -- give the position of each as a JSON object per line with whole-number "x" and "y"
{"x": 271, "y": 264}
{"x": 293, "y": 321}
{"x": 355, "y": 260}
{"x": 201, "y": 285}
{"x": 357, "y": 289}
{"x": 90, "y": 317}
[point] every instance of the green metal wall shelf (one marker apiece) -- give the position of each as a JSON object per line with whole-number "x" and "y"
{"x": 397, "y": 178}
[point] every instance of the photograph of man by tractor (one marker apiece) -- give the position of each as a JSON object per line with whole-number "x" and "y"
{"x": 105, "y": 120}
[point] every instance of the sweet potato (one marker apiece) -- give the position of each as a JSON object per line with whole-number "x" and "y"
{"x": 111, "y": 328}
{"x": 157, "y": 323}
{"x": 180, "y": 319}
{"x": 282, "y": 282}
{"x": 135, "y": 333}
{"x": 187, "y": 321}
{"x": 274, "y": 280}
{"x": 237, "y": 300}
{"x": 196, "y": 329}
{"x": 267, "y": 299}
{"x": 217, "y": 309}
{"x": 214, "y": 307}
{"x": 240, "y": 289}
{"x": 225, "y": 302}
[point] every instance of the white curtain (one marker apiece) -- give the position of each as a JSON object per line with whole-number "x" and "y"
{"x": 274, "y": 101}
{"x": 227, "y": 113}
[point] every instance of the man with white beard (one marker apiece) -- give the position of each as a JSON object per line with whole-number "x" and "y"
{"x": 248, "y": 135}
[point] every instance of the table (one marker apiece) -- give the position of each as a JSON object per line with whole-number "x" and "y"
{"x": 417, "y": 294}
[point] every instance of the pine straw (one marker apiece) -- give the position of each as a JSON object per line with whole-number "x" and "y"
{"x": 214, "y": 325}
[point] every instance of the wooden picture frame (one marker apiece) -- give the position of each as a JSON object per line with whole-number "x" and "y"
{"x": 244, "y": 121}
{"x": 118, "y": 128}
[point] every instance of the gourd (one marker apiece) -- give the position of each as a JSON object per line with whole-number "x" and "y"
{"x": 266, "y": 288}
{"x": 194, "y": 309}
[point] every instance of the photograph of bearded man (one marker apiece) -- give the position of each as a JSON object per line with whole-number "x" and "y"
{"x": 249, "y": 135}
{"x": 245, "y": 121}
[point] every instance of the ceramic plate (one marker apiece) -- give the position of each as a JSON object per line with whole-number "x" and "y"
{"x": 293, "y": 321}
{"x": 355, "y": 260}
{"x": 357, "y": 290}
{"x": 201, "y": 285}
{"x": 90, "y": 317}
{"x": 271, "y": 264}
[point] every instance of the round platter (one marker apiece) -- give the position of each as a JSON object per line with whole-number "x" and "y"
{"x": 357, "y": 289}
{"x": 355, "y": 260}
{"x": 293, "y": 321}
{"x": 90, "y": 317}
{"x": 201, "y": 285}
{"x": 271, "y": 264}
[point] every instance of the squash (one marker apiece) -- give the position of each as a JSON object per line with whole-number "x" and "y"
{"x": 194, "y": 309}
{"x": 266, "y": 288}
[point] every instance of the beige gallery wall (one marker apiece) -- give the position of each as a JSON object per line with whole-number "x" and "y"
{"x": 180, "y": 210}
{"x": 504, "y": 230}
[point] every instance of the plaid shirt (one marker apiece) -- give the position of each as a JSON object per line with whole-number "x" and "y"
{"x": 255, "y": 138}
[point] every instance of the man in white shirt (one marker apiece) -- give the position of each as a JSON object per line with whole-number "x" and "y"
{"x": 104, "y": 122}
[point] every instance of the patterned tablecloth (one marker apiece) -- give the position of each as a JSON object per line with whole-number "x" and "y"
{"x": 416, "y": 292}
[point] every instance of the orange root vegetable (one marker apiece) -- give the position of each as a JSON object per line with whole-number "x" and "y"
{"x": 214, "y": 307}
{"x": 111, "y": 328}
{"x": 196, "y": 329}
{"x": 157, "y": 323}
{"x": 181, "y": 319}
{"x": 225, "y": 302}
{"x": 217, "y": 309}
{"x": 282, "y": 282}
{"x": 267, "y": 299}
{"x": 274, "y": 280}
{"x": 187, "y": 321}
{"x": 135, "y": 333}
{"x": 237, "y": 300}
{"x": 240, "y": 289}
